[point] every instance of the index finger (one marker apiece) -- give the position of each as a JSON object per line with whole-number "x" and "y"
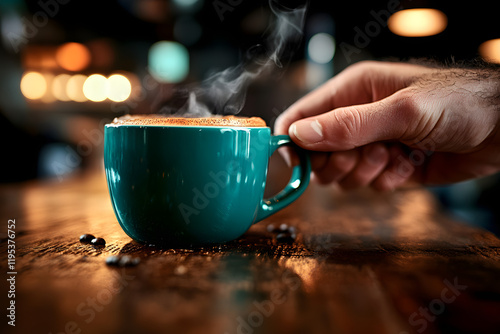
{"x": 361, "y": 83}
{"x": 344, "y": 89}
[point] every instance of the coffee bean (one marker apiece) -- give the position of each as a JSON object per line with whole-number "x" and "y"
{"x": 86, "y": 238}
{"x": 127, "y": 260}
{"x": 286, "y": 237}
{"x": 112, "y": 260}
{"x": 122, "y": 261}
{"x": 277, "y": 229}
{"x": 271, "y": 228}
{"x": 98, "y": 242}
{"x": 283, "y": 227}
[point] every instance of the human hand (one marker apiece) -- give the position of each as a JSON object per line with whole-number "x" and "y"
{"x": 385, "y": 124}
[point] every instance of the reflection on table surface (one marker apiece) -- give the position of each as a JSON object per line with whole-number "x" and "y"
{"x": 363, "y": 262}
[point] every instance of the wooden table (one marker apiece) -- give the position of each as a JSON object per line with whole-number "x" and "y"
{"x": 363, "y": 262}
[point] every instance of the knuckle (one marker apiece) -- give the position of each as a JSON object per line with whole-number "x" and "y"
{"x": 365, "y": 65}
{"x": 362, "y": 68}
{"x": 406, "y": 111}
{"x": 408, "y": 100}
{"x": 349, "y": 121}
{"x": 342, "y": 163}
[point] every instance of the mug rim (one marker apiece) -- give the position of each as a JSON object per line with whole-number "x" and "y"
{"x": 111, "y": 125}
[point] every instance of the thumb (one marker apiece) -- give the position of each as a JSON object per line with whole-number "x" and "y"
{"x": 350, "y": 127}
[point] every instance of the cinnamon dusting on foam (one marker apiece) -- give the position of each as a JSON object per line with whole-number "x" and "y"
{"x": 162, "y": 120}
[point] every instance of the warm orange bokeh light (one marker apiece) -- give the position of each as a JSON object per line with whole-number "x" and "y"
{"x": 59, "y": 87}
{"x": 33, "y": 85}
{"x": 95, "y": 88}
{"x": 417, "y": 22}
{"x": 39, "y": 57}
{"x": 73, "y": 56}
{"x": 74, "y": 88}
{"x": 490, "y": 50}
{"x": 119, "y": 88}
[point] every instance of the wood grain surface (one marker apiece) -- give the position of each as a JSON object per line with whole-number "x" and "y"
{"x": 363, "y": 262}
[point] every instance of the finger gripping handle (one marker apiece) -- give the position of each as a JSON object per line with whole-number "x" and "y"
{"x": 295, "y": 187}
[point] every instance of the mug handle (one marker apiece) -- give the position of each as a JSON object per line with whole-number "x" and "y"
{"x": 295, "y": 187}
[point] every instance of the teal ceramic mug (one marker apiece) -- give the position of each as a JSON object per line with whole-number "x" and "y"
{"x": 192, "y": 185}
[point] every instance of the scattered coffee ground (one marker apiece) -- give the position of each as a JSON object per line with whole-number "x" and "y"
{"x": 122, "y": 261}
{"x": 98, "y": 242}
{"x": 86, "y": 238}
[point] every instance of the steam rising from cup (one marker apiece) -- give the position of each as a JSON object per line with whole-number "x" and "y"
{"x": 224, "y": 92}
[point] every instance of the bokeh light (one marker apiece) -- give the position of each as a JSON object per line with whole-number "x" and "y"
{"x": 168, "y": 61}
{"x": 74, "y": 88}
{"x": 80, "y": 88}
{"x": 119, "y": 88}
{"x": 48, "y": 97}
{"x": 187, "y": 5}
{"x": 95, "y": 88}
{"x": 38, "y": 57}
{"x": 490, "y": 50}
{"x": 151, "y": 10}
{"x": 33, "y": 85}
{"x": 417, "y": 22}
{"x": 321, "y": 48}
{"x": 73, "y": 56}
{"x": 59, "y": 87}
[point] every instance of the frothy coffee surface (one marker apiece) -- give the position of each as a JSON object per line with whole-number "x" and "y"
{"x": 162, "y": 120}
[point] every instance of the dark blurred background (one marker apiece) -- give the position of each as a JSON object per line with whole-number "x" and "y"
{"x": 67, "y": 67}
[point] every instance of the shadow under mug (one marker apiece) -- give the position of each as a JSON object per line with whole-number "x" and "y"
{"x": 191, "y": 185}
